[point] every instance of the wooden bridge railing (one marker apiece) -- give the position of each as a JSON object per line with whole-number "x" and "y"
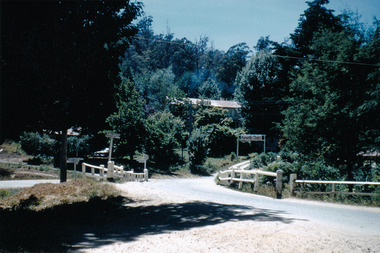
{"x": 240, "y": 175}
{"x": 113, "y": 170}
{"x": 293, "y": 183}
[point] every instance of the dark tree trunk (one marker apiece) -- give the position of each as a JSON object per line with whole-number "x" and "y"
{"x": 63, "y": 157}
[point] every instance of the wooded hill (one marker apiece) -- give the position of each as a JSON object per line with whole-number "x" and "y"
{"x": 83, "y": 63}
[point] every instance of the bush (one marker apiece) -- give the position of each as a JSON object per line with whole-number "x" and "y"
{"x": 198, "y": 149}
{"x": 34, "y": 143}
{"x": 78, "y": 146}
{"x": 161, "y": 142}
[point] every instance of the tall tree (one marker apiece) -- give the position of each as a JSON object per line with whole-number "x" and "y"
{"x": 59, "y": 62}
{"x": 315, "y": 18}
{"x": 231, "y": 63}
{"x": 128, "y": 119}
{"x": 259, "y": 90}
{"x": 324, "y": 117}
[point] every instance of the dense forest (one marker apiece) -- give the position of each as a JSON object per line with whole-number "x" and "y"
{"x": 317, "y": 94}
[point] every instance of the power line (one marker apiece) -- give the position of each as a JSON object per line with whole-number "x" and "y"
{"x": 329, "y": 61}
{"x": 274, "y": 55}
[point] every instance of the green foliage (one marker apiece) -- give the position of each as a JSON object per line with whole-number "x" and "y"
{"x": 56, "y": 89}
{"x": 34, "y": 143}
{"x": 222, "y": 139}
{"x": 290, "y": 162}
{"x": 209, "y": 89}
{"x": 128, "y": 119}
{"x": 163, "y": 136}
{"x": 231, "y": 63}
{"x": 259, "y": 91}
{"x": 78, "y": 146}
{"x": 3, "y": 194}
{"x": 332, "y": 108}
{"x": 156, "y": 87}
{"x": 315, "y": 18}
{"x": 216, "y": 123}
{"x": 198, "y": 149}
{"x": 206, "y": 115}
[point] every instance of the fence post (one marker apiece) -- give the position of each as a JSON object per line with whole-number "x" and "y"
{"x": 256, "y": 185}
{"x": 121, "y": 172}
{"x": 83, "y": 169}
{"x": 146, "y": 174}
{"x": 292, "y": 184}
{"x": 92, "y": 170}
{"x": 110, "y": 167}
{"x": 102, "y": 170}
{"x": 279, "y": 184}
{"x": 232, "y": 176}
{"x": 241, "y": 182}
{"x": 333, "y": 191}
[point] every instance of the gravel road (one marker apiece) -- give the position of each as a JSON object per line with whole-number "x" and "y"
{"x": 196, "y": 215}
{"x": 25, "y": 183}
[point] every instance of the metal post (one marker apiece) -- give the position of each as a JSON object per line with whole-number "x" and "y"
{"x": 237, "y": 149}
{"x": 265, "y": 140}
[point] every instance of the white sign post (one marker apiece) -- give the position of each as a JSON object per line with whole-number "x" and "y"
{"x": 75, "y": 161}
{"x": 112, "y": 136}
{"x": 143, "y": 160}
{"x": 250, "y": 137}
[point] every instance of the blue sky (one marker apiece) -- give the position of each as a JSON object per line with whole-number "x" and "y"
{"x": 229, "y": 22}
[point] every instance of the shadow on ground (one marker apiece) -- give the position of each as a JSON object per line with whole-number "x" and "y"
{"x": 87, "y": 226}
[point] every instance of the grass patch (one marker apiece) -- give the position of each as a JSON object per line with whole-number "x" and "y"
{"x": 12, "y": 147}
{"x": 32, "y": 219}
{"x": 46, "y": 196}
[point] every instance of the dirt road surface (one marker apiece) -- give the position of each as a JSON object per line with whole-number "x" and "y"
{"x": 195, "y": 215}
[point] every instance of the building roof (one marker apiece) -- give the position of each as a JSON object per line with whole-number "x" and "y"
{"x": 216, "y": 103}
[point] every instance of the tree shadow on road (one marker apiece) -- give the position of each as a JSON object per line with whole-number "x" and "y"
{"x": 89, "y": 227}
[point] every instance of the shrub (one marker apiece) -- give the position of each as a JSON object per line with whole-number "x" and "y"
{"x": 198, "y": 149}
{"x": 78, "y": 146}
{"x": 34, "y": 143}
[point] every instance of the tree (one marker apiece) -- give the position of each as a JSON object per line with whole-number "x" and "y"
{"x": 315, "y": 18}
{"x": 370, "y": 109}
{"x": 231, "y": 63}
{"x": 163, "y": 136}
{"x": 259, "y": 91}
{"x": 128, "y": 119}
{"x": 324, "y": 117}
{"x": 216, "y": 132}
{"x": 264, "y": 44}
{"x": 155, "y": 87}
{"x": 198, "y": 149}
{"x": 209, "y": 89}
{"x": 59, "y": 63}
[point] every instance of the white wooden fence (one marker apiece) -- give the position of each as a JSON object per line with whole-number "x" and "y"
{"x": 293, "y": 183}
{"x": 240, "y": 175}
{"x": 112, "y": 170}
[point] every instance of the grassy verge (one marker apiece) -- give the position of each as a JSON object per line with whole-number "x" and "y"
{"x": 32, "y": 219}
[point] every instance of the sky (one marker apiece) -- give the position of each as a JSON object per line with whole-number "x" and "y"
{"x": 229, "y": 22}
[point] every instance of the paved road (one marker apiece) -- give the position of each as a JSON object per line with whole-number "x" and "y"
{"x": 360, "y": 220}
{"x": 25, "y": 183}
